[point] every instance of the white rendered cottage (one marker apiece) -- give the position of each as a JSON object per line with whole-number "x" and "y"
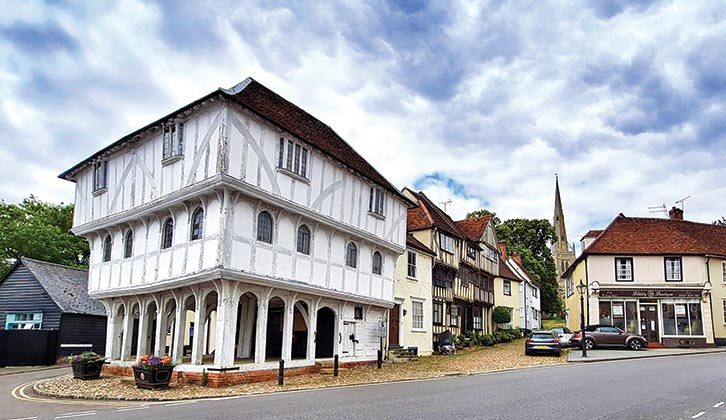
{"x": 237, "y": 231}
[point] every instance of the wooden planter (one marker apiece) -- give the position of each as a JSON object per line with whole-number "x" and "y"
{"x": 87, "y": 370}
{"x": 157, "y": 377}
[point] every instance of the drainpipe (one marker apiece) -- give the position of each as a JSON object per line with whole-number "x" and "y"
{"x": 587, "y": 282}
{"x": 710, "y": 297}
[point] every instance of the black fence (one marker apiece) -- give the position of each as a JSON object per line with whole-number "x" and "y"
{"x": 28, "y": 347}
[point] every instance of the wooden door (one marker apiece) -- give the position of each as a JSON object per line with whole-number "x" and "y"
{"x": 394, "y": 324}
{"x": 649, "y": 322}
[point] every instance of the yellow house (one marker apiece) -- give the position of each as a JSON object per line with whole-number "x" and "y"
{"x": 661, "y": 278}
{"x": 506, "y": 291}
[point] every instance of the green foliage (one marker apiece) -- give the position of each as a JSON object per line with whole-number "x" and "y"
{"x": 488, "y": 340}
{"x": 501, "y": 315}
{"x": 39, "y": 230}
{"x": 531, "y": 239}
{"x": 484, "y": 212}
{"x": 720, "y": 222}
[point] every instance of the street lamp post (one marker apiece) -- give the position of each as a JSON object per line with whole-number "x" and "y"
{"x": 582, "y": 290}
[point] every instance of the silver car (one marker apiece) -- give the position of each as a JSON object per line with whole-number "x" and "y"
{"x": 564, "y": 334}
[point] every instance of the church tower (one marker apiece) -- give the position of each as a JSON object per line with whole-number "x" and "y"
{"x": 563, "y": 254}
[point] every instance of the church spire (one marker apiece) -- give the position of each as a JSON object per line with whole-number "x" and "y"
{"x": 558, "y": 221}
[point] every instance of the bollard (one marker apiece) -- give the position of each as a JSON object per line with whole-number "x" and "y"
{"x": 335, "y": 365}
{"x": 380, "y": 359}
{"x": 281, "y": 373}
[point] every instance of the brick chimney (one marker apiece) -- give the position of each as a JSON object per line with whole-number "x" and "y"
{"x": 503, "y": 249}
{"x": 518, "y": 258}
{"x": 675, "y": 213}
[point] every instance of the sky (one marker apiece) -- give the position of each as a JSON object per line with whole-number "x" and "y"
{"x": 477, "y": 103}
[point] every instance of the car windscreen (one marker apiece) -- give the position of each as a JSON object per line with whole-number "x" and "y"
{"x": 567, "y": 330}
{"x": 542, "y": 336}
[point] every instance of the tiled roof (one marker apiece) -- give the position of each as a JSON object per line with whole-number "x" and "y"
{"x": 474, "y": 227}
{"x": 416, "y": 244}
{"x": 505, "y": 272}
{"x": 67, "y": 286}
{"x": 427, "y": 215}
{"x": 592, "y": 234}
{"x": 635, "y": 235}
{"x": 278, "y": 111}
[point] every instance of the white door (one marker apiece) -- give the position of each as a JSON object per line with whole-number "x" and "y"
{"x": 347, "y": 339}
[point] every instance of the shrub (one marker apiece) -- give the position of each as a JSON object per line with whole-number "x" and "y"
{"x": 86, "y": 356}
{"x": 488, "y": 340}
{"x": 501, "y": 315}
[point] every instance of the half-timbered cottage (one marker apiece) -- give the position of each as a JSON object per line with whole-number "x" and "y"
{"x": 247, "y": 215}
{"x": 462, "y": 274}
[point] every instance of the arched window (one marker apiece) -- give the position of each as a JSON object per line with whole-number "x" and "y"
{"x": 107, "y": 248}
{"x": 167, "y": 234}
{"x": 377, "y": 263}
{"x": 351, "y": 255}
{"x": 197, "y": 224}
{"x": 264, "y": 227}
{"x": 129, "y": 244}
{"x": 303, "y": 240}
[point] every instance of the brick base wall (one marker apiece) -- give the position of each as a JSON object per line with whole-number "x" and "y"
{"x": 220, "y": 379}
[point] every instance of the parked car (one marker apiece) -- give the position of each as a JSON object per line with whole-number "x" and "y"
{"x": 564, "y": 334}
{"x": 542, "y": 342}
{"x": 608, "y": 336}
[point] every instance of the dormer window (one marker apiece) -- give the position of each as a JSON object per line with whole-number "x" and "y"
{"x": 100, "y": 177}
{"x": 377, "y": 201}
{"x": 173, "y": 143}
{"x": 293, "y": 158}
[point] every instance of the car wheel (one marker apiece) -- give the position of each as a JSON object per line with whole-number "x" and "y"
{"x": 635, "y": 345}
{"x": 589, "y": 344}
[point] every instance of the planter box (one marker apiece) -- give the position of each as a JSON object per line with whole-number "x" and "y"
{"x": 153, "y": 378}
{"x": 87, "y": 370}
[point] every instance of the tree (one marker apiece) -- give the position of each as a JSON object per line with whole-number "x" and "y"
{"x": 501, "y": 315}
{"x": 484, "y": 212}
{"x": 720, "y": 222}
{"x": 531, "y": 238}
{"x": 39, "y": 230}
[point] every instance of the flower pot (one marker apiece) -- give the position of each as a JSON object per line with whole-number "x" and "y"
{"x": 153, "y": 377}
{"x": 89, "y": 369}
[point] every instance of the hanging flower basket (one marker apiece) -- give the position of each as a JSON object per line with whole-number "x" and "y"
{"x": 153, "y": 372}
{"x": 86, "y": 365}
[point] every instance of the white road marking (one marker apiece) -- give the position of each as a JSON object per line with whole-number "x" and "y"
{"x": 26, "y": 418}
{"x": 717, "y": 405}
{"x": 133, "y": 407}
{"x": 698, "y": 415}
{"x": 179, "y": 403}
{"x": 78, "y": 414}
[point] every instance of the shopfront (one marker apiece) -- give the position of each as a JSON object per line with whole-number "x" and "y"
{"x": 672, "y": 317}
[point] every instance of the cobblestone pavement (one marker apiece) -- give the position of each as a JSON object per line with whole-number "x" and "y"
{"x": 469, "y": 361}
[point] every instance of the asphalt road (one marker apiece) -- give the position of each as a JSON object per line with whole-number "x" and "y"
{"x": 680, "y": 387}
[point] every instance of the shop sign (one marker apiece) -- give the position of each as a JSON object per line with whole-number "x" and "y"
{"x": 653, "y": 293}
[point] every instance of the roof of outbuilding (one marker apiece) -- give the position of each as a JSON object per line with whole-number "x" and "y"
{"x": 67, "y": 286}
{"x": 278, "y": 111}
{"x": 416, "y": 244}
{"x": 592, "y": 234}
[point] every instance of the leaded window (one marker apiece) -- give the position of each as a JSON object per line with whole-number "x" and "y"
{"x": 173, "y": 141}
{"x": 411, "y": 264}
{"x": 197, "y": 224}
{"x": 107, "y": 248}
{"x": 293, "y": 157}
{"x": 377, "y": 263}
{"x": 167, "y": 234}
{"x": 376, "y": 201}
{"x": 303, "y": 240}
{"x": 129, "y": 244}
{"x": 264, "y": 227}
{"x": 351, "y": 255}
{"x": 100, "y": 176}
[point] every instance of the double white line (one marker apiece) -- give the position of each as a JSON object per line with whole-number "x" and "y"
{"x": 76, "y": 414}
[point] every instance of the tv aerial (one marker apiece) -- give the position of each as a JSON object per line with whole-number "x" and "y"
{"x": 658, "y": 209}
{"x": 683, "y": 207}
{"x": 445, "y": 203}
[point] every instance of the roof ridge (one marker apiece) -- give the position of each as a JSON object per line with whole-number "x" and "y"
{"x": 52, "y": 263}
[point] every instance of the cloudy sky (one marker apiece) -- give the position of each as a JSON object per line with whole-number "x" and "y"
{"x": 477, "y": 102}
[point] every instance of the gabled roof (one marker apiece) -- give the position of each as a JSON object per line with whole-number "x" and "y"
{"x": 474, "y": 227}
{"x": 505, "y": 272}
{"x": 592, "y": 234}
{"x": 428, "y": 215}
{"x": 278, "y": 111}
{"x": 67, "y": 286}
{"x": 521, "y": 272}
{"x": 650, "y": 236}
{"x": 414, "y": 243}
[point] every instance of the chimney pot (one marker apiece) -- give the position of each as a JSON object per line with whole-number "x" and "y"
{"x": 518, "y": 258}
{"x": 503, "y": 249}
{"x": 675, "y": 213}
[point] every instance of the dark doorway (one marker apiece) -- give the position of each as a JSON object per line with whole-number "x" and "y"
{"x": 325, "y": 333}
{"x": 275, "y": 318}
{"x": 394, "y": 324}
{"x": 649, "y": 322}
{"x": 300, "y": 331}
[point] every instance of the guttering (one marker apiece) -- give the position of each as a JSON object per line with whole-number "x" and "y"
{"x": 219, "y": 273}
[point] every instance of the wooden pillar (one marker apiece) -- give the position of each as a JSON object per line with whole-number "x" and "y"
{"x": 128, "y": 331}
{"x": 226, "y": 325}
{"x": 261, "y": 339}
{"x": 143, "y": 339}
{"x": 246, "y": 326}
{"x": 200, "y": 317}
{"x": 312, "y": 332}
{"x": 287, "y": 331}
{"x": 111, "y": 333}
{"x": 180, "y": 323}
{"x": 160, "y": 338}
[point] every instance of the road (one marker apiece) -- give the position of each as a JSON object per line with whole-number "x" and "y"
{"x": 681, "y": 387}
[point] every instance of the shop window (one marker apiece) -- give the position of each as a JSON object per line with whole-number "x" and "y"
{"x": 695, "y": 320}
{"x": 724, "y": 311}
{"x": 682, "y": 318}
{"x": 618, "y": 313}
{"x": 631, "y": 317}
{"x": 606, "y": 313}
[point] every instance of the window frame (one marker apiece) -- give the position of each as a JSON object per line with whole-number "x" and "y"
{"x": 167, "y": 233}
{"x": 377, "y": 269}
{"x": 172, "y": 148}
{"x": 377, "y": 202}
{"x": 632, "y": 269}
{"x": 100, "y": 177}
{"x": 358, "y": 313}
{"x": 304, "y": 246}
{"x": 107, "y": 248}
{"x": 197, "y": 228}
{"x": 410, "y": 265}
{"x": 293, "y": 158}
{"x": 507, "y": 285}
{"x": 470, "y": 252}
{"x": 351, "y": 255}
{"x": 454, "y": 317}
{"x": 262, "y": 236}
{"x": 680, "y": 269}
{"x": 437, "y": 320}
{"x": 415, "y": 315}
{"x": 444, "y": 239}
{"x": 129, "y": 244}
{"x": 35, "y": 322}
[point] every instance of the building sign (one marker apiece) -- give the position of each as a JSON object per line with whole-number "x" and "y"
{"x": 652, "y": 293}
{"x": 381, "y": 329}
{"x": 618, "y": 310}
